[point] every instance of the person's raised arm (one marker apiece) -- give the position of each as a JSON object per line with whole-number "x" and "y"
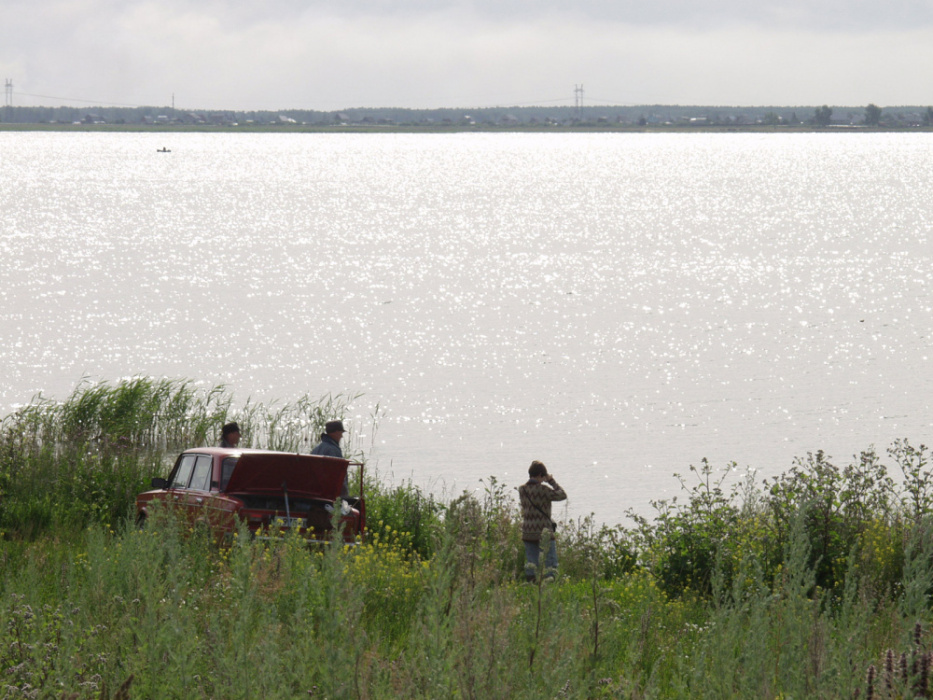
{"x": 556, "y": 493}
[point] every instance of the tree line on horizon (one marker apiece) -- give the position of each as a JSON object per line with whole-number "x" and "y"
{"x": 622, "y": 115}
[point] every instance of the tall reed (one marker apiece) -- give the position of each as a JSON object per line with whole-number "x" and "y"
{"x": 84, "y": 459}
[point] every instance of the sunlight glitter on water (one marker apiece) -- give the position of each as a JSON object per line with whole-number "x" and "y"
{"x": 619, "y": 306}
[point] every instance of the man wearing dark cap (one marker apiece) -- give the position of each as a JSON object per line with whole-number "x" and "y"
{"x": 230, "y": 435}
{"x": 329, "y": 446}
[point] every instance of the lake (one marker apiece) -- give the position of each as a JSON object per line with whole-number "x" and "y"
{"x": 619, "y": 306}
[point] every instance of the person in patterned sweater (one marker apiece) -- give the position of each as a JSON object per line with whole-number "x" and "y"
{"x": 536, "y": 497}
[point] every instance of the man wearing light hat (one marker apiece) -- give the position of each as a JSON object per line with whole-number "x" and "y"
{"x": 329, "y": 446}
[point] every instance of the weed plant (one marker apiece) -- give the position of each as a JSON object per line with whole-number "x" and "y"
{"x": 65, "y": 464}
{"x": 813, "y": 584}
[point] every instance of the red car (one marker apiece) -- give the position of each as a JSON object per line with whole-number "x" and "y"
{"x": 272, "y": 492}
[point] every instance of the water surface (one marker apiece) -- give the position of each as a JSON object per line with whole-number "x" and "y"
{"x": 618, "y": 306}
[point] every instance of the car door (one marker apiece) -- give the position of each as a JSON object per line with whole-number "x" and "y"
{"x": 175, "y": 494}
{"x": 198, "y": 492}
{"x": 222, "y": 508}
{"x": 207, "y": 504}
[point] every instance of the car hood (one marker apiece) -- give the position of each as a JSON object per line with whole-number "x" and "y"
{"x": 272, "y": 472}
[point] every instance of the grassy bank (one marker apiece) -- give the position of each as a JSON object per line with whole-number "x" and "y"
{"x": 814, "y": 584}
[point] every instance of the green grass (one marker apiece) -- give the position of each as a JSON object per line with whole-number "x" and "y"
{"x": 175, "y": 616}
{"x": 815, "y": 584}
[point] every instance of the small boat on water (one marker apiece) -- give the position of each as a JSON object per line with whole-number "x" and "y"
{"x": 163, "y": 150}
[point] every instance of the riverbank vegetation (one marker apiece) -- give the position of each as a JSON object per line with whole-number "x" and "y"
{"x": 514, "y": 118}
{"x": 815, "y": 583}
{"x": 434, "y": 128}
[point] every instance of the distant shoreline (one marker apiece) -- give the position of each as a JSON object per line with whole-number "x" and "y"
{"x": 460, "y": 129}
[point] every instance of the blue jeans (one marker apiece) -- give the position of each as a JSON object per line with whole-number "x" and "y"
{"x": 533, "y": 557}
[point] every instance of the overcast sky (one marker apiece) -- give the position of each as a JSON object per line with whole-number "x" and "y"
{"x": 335, "y": 54}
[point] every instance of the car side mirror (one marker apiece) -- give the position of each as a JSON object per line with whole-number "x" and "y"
{"x": 159, "y": 483}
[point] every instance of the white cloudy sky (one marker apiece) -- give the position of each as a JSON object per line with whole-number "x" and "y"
{"x": 333, "y": 54}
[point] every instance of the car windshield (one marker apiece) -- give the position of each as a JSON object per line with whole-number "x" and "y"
{"x": 183, "y": 473}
